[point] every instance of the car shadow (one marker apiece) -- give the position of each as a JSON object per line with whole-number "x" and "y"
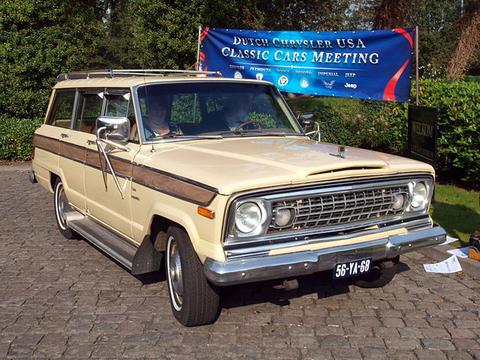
{"x": 271, "y": 291}
{"x": 456, "y": 219}
{"x": 321, "y": 284}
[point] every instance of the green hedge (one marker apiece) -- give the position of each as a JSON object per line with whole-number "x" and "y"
{"x": 459, "y": 122}
{"x": 367, "y": 124}
{"x": 383, "y": 126}
{"x": 16, "y": 138}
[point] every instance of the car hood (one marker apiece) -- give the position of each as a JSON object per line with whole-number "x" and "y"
{"x": 245, "y": 163}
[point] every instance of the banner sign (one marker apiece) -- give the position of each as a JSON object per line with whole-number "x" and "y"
{"x": 359, "y": 64}
{"x": 423, "y": 133}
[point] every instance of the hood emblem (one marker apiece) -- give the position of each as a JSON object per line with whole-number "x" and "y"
{"x": 340, "y": 152}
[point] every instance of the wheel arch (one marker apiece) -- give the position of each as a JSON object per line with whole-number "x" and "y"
{"x": 149, "y": 255}
{"x": 53, "y": 180}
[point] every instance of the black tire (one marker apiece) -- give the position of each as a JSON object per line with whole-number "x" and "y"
{"x": 380, "y": 275}
{"x": 58, "y": 193}
{"x": 199, "y": 303}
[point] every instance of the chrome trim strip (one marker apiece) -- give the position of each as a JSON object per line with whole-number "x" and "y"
{"x": 255, "y": 250}
{"x": 261, "y": 268}
{"x": 311, "y": 189}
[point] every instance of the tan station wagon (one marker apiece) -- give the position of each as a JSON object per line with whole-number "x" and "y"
{"x": 216, "y": 179}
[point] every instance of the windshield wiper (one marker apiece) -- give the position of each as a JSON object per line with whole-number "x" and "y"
{"x": 174, "y": 135}
{"x": 256, "y": 132}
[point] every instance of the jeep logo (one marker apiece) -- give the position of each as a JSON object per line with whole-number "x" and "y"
{"x": 350, "y": 85}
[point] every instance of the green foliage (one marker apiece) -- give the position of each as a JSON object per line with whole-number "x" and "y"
{"x": 39, "y": 40}
{"x": 459, "y": 122}
{"x": 263, "y": 120}
{"x": 383, "y": 126}
{"x": 16, "y": 138}
{"x": 367, "y": 124}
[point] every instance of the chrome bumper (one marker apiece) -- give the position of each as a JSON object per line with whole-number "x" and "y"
{"x": 259, "y": 268}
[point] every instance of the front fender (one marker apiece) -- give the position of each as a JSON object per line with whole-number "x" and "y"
{"x": 200, "y": 230}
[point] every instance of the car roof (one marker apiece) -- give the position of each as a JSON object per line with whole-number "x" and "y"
{"x": 131, "y": 81}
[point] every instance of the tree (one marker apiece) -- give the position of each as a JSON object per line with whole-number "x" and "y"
{"x": 468, "y": 43}
{"x": 39, "y": 40}
{"x": 391, "y": 13}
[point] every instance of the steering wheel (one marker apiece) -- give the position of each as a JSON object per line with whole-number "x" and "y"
{"x": 245, "y": 123}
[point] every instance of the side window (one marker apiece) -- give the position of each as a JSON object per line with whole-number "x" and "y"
{"x": 61, "y": 114}
{"x": 89, "y": 108}
{"x": 119, "y": 103}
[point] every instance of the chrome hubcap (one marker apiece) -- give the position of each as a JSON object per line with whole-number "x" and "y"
{"x": 175, "y": 273}
{"x": 62, "y": 207}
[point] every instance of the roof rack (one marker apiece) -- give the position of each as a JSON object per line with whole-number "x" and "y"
{"x": 133, "y": 72}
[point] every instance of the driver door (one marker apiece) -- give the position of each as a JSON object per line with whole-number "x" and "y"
{"x": 105, "y": 202}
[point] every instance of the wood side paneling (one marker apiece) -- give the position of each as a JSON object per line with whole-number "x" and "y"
{"x": 93, "y": 159}
{"x": 157, "y": 180}
{"x": 122, "y": 167}
{"x": 46, "y": 143}
{"x": 172, "y": 186}
{"x": 73, "y": 152}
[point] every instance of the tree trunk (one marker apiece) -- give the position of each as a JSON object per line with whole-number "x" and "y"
{"x": 465, "y": 51}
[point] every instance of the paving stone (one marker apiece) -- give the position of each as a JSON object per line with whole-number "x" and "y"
{"x": 402, "y": 344}
{"x": 430, "y": 355}
{"x": 438, "y": 344}
{"x": 65, "y": 299}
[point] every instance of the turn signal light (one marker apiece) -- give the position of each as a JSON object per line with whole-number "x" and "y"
{"x": 206, "y": 212}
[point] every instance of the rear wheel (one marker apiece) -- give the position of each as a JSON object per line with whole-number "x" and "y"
{"x": 380, "y": 275}
{"x": 193, "y": 299}
{"x": 62, "y": 207}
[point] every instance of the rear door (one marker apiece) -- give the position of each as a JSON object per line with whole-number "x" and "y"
{"x": 49, "y": 137}
{"x": 75, "y": 142}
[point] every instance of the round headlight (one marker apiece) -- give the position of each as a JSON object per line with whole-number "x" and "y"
{"x": 283, "y": 217}
{"x": 248, "y": 217}
{"x": 420, "y": 196}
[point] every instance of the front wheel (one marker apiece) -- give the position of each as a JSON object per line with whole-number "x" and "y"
{"x": 193, "y": 299}
{"x": 380, "y": 274}
{"x": 62, "y": 207}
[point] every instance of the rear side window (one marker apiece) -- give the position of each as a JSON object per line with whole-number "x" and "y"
{"x": 61, "y": 114}
{"x": 89, "y": 108}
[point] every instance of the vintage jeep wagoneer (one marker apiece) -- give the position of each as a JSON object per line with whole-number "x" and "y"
{"x": 216, "y": 179}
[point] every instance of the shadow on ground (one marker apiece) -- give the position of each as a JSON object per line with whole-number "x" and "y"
{"x": 272, "y": 291}
{"x": 320, "y": 284}
{"x": 456, "y": 219}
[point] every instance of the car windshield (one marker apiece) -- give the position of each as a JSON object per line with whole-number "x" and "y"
{"x": 213, "y": 109}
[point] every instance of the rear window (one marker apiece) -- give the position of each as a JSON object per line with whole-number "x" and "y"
{"x": 61, "y": 114}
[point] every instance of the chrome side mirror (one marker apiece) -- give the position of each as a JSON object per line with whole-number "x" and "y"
{"x": 306, "y": 119}
{"x": 116, "y": 129}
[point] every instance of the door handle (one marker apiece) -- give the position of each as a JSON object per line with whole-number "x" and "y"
{"x": 91, "y": 142}
{"x": 63, "y": 135}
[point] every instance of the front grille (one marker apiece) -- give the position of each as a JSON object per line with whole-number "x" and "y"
{"x": 339, "y": 208}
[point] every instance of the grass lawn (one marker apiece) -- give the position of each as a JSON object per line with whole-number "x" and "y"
{"x": 457, "y": 211}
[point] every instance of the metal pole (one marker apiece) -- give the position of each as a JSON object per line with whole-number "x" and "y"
{"x": 198, "y": 46}
{"x": 416, "y": 66}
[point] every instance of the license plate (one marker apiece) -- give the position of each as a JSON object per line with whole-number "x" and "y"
{"x": 351, "y": 268}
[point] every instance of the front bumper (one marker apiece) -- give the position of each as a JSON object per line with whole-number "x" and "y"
{"x": 259, "y": 268}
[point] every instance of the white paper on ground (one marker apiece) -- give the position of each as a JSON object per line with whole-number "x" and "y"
{"x": 450, "y": 265}
{"x": 450, "y": 239}
{"x": 463, "y": 252}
